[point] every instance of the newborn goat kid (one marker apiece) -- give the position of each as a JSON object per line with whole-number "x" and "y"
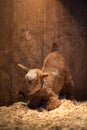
{"x": 47, "y": 84}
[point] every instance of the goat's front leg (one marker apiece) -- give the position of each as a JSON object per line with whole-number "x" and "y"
{"x": 53, "y": 101}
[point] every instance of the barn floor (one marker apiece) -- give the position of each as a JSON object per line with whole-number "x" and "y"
{"x": 67, "y": 117}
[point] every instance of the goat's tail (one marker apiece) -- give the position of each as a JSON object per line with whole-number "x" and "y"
{"x": 23, "y": 67}
{"x": 54, "y": 47}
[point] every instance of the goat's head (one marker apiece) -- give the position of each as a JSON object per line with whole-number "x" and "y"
{"x": 34, "y": 79}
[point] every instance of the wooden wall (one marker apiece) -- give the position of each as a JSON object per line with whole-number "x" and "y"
{"x": 6, "y": 17}
{"x": 30, "y": 29}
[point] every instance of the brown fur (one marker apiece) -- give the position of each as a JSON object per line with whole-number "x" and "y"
{"x": 51, "y": 81}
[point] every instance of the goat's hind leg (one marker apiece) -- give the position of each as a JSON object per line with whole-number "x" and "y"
{"x": 69, "y": 85}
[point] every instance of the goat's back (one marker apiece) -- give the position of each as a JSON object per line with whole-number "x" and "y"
{"x": 53, "y": 61}
{"x": 54, "y": 64}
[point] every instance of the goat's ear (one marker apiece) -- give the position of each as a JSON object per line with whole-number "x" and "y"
{"x": 43, "y": 75}
{"x": 23, "y": 67}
